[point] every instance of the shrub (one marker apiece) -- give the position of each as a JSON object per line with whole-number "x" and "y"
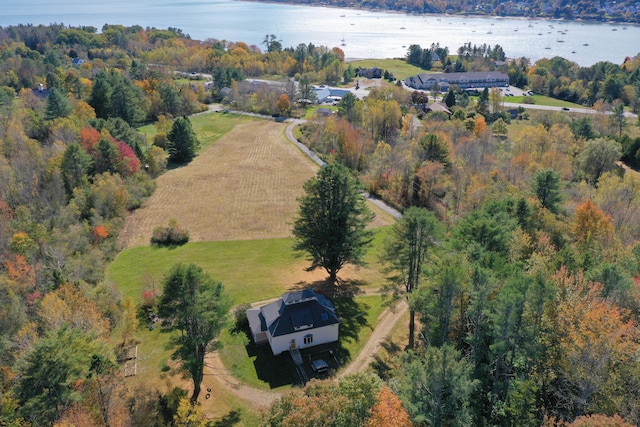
{"x": 240, "y": 314}
{"x": 172, "y": 235}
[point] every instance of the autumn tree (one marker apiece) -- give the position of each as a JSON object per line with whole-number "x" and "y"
{"x": 331, "y": 221}
{"x": 195, "y": 305}
{"x": 388, "y": 411}
{"x": 344, "y": 403}
{"x": 599, "y": 420}
{"x": 406, "y": 251}
{"x": 597, "y": 344}
{"x": 283, "y": 104}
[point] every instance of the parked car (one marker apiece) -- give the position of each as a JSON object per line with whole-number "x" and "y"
{"x": 319, "y": 366}
{"x": 565, "y": 109}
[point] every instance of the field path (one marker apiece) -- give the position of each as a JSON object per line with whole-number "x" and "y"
{"x": 243, "y": 187}
{"x": 216, "y": 370}
{"x": 388, "y": 319}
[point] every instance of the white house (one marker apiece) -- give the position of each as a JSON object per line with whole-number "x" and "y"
{"x": 298, "y": 319}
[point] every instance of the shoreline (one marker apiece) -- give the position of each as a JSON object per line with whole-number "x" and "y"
{"x": 443, "y": 14}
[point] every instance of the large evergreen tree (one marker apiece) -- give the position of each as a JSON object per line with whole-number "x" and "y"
{"x": 58, "y": 105}
{"x": 194, "y": 304}
{"x": 546, "y": 186}
{"x": 406, "y": 250}
{"x": 331, "y": 223}
{"x": 183, "y": 143}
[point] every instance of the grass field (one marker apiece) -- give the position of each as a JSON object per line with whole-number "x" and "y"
{"x": 250, "y": 270}
{"x": 398, "y": 67}
{"x": 208, "y": 126}
{"x": 242, "y": 187}
{"x": 542, "y": 100}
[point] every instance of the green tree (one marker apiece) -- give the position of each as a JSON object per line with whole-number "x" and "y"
{"x": 483, "y": 102}
{"x": 100, "y": 98}
{"x": 347, "y": 106}
{"x": 617, "y": 119}
{"x": 436, "y": 387}
{"x": 183, "y": 143}
{"x": 195, "y": 305}
{"x": 450, "y": 99}
{"x": 599, "y": 156}
{"x": 582, "y": 128}
{"x": 49, "y": 374}
{"x": 331, "y": 222}
{"x": 407, "y": 248}
{"x": 499, "y": 127}
{"x": 75, "y": 165}
{"x": 546, "y": 186}
{"x": 58, "y": 104}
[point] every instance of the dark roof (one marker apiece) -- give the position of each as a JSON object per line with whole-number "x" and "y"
{"x": 41, "y": 93}
{"x": 297, "y": 311}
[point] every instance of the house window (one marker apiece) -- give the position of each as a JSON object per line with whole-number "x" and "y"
{"x": 324, "y": 316}
{"x": 308, "y": 339}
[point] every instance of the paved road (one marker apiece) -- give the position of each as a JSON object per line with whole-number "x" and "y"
{"x": 572, "y": 109}
{"x": 313, "y": 156}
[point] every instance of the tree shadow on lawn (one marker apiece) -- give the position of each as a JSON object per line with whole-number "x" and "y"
{"x": 384, "y": 365}
{"x": 229, "y": 420}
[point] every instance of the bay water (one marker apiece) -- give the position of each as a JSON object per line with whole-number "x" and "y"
{"x": 359, "y": 33}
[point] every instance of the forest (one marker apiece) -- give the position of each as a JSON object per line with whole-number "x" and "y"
{"x": 528, "y": 301}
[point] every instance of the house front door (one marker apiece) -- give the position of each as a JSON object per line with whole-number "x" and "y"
{"x": 292, "y": 344}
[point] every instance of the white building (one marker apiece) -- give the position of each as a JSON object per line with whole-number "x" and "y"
{"x": 298, "y": 319}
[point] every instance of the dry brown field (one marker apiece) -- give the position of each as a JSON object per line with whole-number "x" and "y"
{"x": 243, "y": 187}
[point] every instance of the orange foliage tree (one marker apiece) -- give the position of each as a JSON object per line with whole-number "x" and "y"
{"x": 596, "y": 346}
{"x": 388, "y": 411}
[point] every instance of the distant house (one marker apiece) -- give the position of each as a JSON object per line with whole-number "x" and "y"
{"x": 298, "y": 319}
{"x": 329, "y": 94}
{"x": 77, "y": 62}
{"x": 41, "y": 92}
{"x": 443, "y": 81}
{"x": 370, "y": 73}
{"x": 438, "y": 107}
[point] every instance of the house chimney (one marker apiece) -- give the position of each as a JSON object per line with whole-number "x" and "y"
{"x": 40, "y": 87}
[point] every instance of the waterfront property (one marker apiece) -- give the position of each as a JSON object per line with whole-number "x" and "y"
{"x": 442, "y": 81}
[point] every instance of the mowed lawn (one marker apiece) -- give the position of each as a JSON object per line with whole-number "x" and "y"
{"x": 400, "y": 68}
{"x": 242, "y": 187}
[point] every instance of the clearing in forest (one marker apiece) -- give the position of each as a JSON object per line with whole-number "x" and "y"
{"x": 243, "y": 187}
